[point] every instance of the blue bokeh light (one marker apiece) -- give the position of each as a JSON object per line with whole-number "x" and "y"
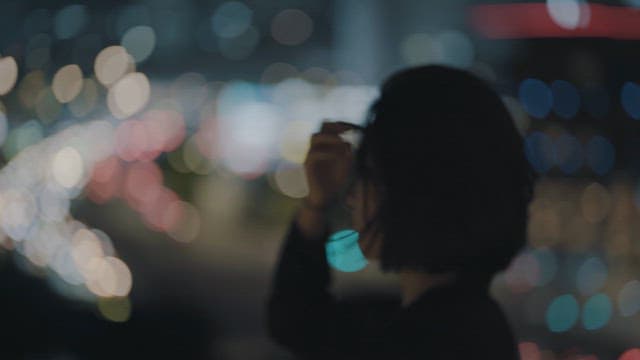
{"x": 596, "y": 312}
{"x": 630, "y": 97}
{"x": 600, "y": 155}
{"x": 562, "y": 313}
{"x": 344, "y": 253}
{"x": 548, "y": 265}
{"x": 231, "y": 19}
{"x": 70, "y": 21}
{"x": 536, "y": 97}
{"x": 566, "y": 100}
{"x": 591, "y": 276}
{"x": 569, "y": 154}
{"x": 540, "y": 151}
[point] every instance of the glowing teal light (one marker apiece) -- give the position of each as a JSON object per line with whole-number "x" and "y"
{"x": 596, "y": 312}
{"x": 343, "y": 251}
{"x": 563, "y": 313}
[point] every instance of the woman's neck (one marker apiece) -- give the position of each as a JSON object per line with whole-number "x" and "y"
{"x": 415, "y": 283}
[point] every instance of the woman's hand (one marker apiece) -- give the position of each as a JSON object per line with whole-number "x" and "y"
{"x": 327, "y": 166}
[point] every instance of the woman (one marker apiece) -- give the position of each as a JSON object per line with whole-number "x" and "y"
{"x": 440, "y": 198}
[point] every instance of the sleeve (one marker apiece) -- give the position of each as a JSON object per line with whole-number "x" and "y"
{"x": 302, "y": 314}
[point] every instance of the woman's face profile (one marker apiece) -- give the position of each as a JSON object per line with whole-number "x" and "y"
{"x": 362, "y": 202}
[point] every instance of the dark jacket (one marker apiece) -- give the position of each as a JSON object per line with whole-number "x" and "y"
{"x": 454, "y": 321}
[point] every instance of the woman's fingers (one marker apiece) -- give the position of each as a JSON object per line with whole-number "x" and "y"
{"x": 337, "y": 127}
{"x": 327, "y": 141}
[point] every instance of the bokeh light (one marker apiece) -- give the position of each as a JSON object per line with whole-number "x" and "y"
{"x": 568, "y": 153}
{"x": 631, "y": 354}
{"x": 112, "y": 63}
{"x": 291, "y": 27}
{"x": 67, "y": 83}
{"x": 591, "y": 275}
{"x": 8, "y": 74}
{"x": 600, "y": 155}
{"x": 540, "y": 151}
{"x": 31, "y": 84}
{"x": 116, "y": 309}
{"x": 596, "y": 312}
{"x": 4, "y": 125}
{"x": 529, "y": 350}
{"x": 70, "y": 21}
{"x": 290, "y": 180}
{"x": 85, "y": 102}
{"x": 569, "y": 14}
{"x": 48, "y": 108}
{"x": 452, "y": 48}
{"x": 231, "y": 19}
{"x": 67, "y": 167}
{"x": 547, "y": 265}
{"x": 129, "y": 95}
{"x": 562, "y": 313}
{"x": 629, "y": 298}
{"x": 187, "y": 226}
{"x": 523, "y": 273}
{"x": 630, "y": 97}
{"x": 139, "y": 41}
{"x": 278, "y": 72}
{"x": 536, "y": 97}
{"x": 595, "y": 203}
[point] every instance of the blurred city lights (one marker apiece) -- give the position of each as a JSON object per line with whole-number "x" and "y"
{"x": 562, "y": 313}
{"x": 231, "y": 19}
{"x": 568, "y": 152}
{"x": 629, "y": 298}
{"x": 591, "y": 276}
{"x": 116, "y": 309}
{"x": 547, "y": 265}
{"x": 129, "y": 95}
{"x": 8, "y": 74}
{"x": 291, "y": 27}
{"x": 67, "y": 167}
{"x": 631, "y": 354}
{"x": 128, "y": 17}
{"x": 139, "y": 41}
{"x": 600, "y": 155}
{"x": 596, "y": 312}
{"x": 30, "y": 85}
{"x": 630, "y": 97}
{"x": 86, "y": 100}
{"x": 536, "y": 97}
{"x": 112, "y": 63}
{"x": 595, "y": 203}
{"x": 186, "y": 227}
{"x": 529, "y": 350}
{"x": 291, "y": 181}
{"x": 67, "y": 83}
{"x": 569, "y": 14}
{"x": 38, "y": 52}
{"x": 70, "y": 21}
{"x": 540, "y": 151}
{"x": 278, "y": 72}
{"x": 452, "y": 48}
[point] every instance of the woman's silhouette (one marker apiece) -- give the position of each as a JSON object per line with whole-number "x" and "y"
{"x": 440, "y": 198}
